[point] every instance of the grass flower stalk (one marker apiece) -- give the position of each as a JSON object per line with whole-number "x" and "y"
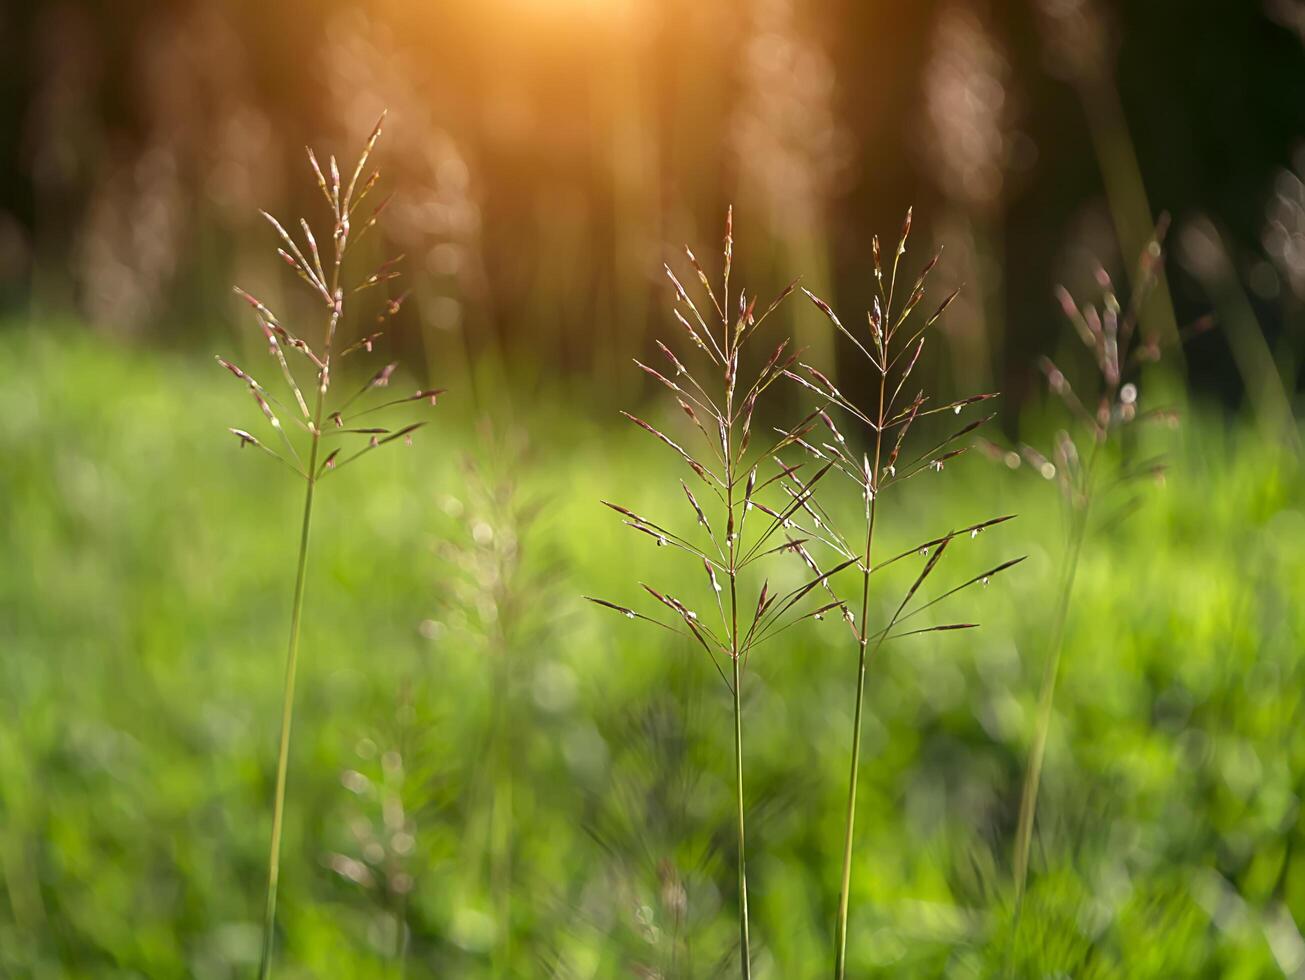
{"x": 725, "y": 542}
{"x": 892, "y": 345}
{"x": 349, "y": 423}
{"x": 1120, "y": 347}
{"x": 287, "y": 719}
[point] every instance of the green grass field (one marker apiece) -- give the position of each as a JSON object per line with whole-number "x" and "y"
{"x": 538, "y": 788}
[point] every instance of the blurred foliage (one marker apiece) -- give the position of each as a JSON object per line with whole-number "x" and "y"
{"x": 491, "y": 778}
{"x": 546, "y": 151}
{"x": 500, "y": 780}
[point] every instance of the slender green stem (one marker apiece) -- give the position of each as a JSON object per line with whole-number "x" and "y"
{"x": 849, "y": 829}
{"x": 1046, "y": 700}
{"x": 844, "y": 894}
{"x": 745, "y": 946}
{"x": 845, "y": 888}
{"x": 288, "y": 699}
{"x": 744, "y": 943}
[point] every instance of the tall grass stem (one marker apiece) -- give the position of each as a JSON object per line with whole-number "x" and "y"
{"x": 1046, "y": 701}
{"x": 745, "y": 946}
{"x": 288, "y": 705}
{"x": 844, "y": 894}
{"x": 849, "y": 831}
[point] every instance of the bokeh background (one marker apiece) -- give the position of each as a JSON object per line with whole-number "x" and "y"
{"x": 491, "y": 776}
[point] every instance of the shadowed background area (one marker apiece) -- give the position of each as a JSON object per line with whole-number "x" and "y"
{"x": 545, "y": 154}
{"x": 492, "y": 778}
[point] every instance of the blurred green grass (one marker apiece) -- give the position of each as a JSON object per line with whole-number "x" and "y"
{"x": 143, "y": 602}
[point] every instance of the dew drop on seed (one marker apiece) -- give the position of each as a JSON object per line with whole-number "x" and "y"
{"x": 818, "y": 616}
{"x": 974, "y": 534}
{"x": 661, "y": 542}
{"x": 985, "y": 581}
{"x": 956, "y": 409}
{"x": 629, "y": 614}
{"x": 923, "y": 552}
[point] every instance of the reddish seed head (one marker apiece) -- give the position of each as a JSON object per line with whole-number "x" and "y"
{"x": 951, "y": 298}
{"x": 1067, "y": 303}
{"x": 382, "y": 377}
{"x": 670, "y": 356}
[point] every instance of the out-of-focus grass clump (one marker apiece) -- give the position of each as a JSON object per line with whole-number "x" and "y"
{"x": 141, "y": 590}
